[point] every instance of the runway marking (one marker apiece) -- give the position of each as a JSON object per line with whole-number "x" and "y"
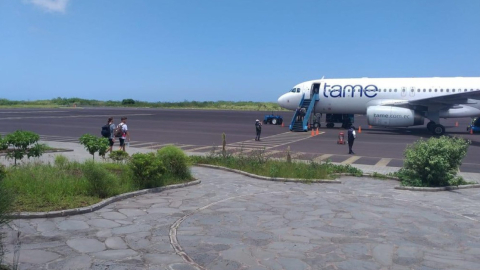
{"x": 322, "y": 157}
{"x": 383, "y": 162}
{"x": 73, "y": 116}
{"x": 158, "y": 146}
{"x": 295, "y": 155}
{"x": 141, "y": 144}
{"x": 350, "y": 160}
{"x": 184, "y": 146}
{"x": 66, "y": 140}
{"x": 274, "y": 141}
{"x": 200, "y": 148}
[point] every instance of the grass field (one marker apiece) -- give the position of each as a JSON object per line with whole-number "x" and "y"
{"x": 77, "y": 102}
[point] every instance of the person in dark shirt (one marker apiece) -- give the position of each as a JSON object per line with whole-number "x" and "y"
{"x": 351, "y": 139}
{"x": 258, "y": 129}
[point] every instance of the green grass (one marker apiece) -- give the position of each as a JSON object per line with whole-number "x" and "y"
{"x": 215, "y": 105}
{"x": 47, "y": 187}
{"x": 260, "y": 165}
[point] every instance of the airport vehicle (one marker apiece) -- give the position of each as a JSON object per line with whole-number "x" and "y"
{"x": 387, "y": 102}
{"x": 345, "y": 119}
{"x": 273, "y": 119}
{"x": 475, "y": 125}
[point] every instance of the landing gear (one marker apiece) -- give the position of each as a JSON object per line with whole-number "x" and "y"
{"x": 316, "y": 125}
{"x": 435, "y": 129}
{"x": 438, "y": 130}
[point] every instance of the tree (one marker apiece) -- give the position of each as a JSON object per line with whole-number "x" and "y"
{"x": 94, "y": 144}
{"x": 128, "y": 101}
{"x": 22, "y": 142}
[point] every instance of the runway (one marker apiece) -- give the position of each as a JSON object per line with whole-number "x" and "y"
{"x": 201, "y": 131}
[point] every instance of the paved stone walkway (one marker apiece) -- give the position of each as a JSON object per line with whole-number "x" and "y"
{"x": 230, "y": 221}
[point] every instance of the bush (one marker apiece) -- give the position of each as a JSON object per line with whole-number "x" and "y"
{"x": 433, "y": 162}
{"x": 119, "y": 156}
{"x": 6, "y": 200}
{"x": 147, "y": 170}
{"x": 3, "y": 143}
{"x": 175, "y": 161}
{"x": 61, "y": 161}
{"x": 21, "y": 141}
{"x": 99, "y": 179}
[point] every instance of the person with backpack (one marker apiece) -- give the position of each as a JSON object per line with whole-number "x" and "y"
{"x": 108, "y": 132}
{"x": 122, "y": 133}
{"x": 258, "y": 128}
{"x": 351, "y": 139}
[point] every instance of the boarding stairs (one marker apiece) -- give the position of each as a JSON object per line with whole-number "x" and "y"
{"x": 308, "y": 105}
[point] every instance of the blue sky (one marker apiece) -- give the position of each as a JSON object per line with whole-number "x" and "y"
{"x": 175, "y": 50}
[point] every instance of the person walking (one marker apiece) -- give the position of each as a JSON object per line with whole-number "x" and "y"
{"x": 258, "y": 128}
{"x": 111, "y": 138}
{"x": 125, "y": 134}
{"x": 351, "y": 139}
{"x": 303, "y": 112}
{"x": 298, "y": 113}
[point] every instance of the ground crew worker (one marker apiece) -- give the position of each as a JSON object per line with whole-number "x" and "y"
{"x": 351, "y": 138}
{"x": 258, "y": 128}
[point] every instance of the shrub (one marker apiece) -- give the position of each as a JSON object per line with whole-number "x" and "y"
{"x": 175, "y": 161}
{"x": 3, "y": 143}
{"x": 21, "y": 141}
{"x": 3, "y": 172}
{"x": 433, "y": 162}
{"x": 6, "y": 200}
{"x": 119, "y": 156}
{"x": 147, "y": 170}
{"x": 95, "y": 144}
{"x": 99, "y": 179}
{"x": 61, "y": 161}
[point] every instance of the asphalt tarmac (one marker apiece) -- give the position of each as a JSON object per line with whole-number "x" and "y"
{"x": 201, "y": 131}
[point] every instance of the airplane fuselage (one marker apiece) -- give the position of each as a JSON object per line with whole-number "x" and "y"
{"x": 354, "y": 96}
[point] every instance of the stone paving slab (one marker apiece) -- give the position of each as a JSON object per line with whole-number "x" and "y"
{"x": 231, "y": 221}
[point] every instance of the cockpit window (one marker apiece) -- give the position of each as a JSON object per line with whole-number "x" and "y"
{"x": 293, "y": 90}
{"x": 298, "y": 90}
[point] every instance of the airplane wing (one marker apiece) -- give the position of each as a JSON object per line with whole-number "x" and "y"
{"x": 451, "y": 99}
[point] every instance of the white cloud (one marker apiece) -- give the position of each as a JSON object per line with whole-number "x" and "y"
{"x": 51, "y": 5}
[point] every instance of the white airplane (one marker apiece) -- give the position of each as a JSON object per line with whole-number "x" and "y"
{"x": 391, "y": 102}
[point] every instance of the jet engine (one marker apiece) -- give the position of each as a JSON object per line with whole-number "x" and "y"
{"x": 389, "y": 116}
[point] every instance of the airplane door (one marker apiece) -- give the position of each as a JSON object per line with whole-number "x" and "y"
{"x": 404, "y": 92}
{"x": 412, "y": 91}
{"x": 315, "y": 89}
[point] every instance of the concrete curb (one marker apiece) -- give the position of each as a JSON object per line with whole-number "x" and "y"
{"x": 436, "y": 189}
{"x": 91, "y": 208}
{"x": 267, "y": 178}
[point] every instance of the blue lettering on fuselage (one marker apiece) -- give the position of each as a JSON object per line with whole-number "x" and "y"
{"x": 338, "y": 91}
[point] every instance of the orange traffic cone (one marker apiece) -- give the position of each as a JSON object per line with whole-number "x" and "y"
{"x": 282, "y": 124}
{"x": 317, "y": 131}
{"x": 471, "y": 131}
{"x": 456, "y": 124}
{"x": 312, "y": 134}
{"x": 359, "y": 129}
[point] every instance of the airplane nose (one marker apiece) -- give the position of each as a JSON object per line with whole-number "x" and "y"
{"x": 282, "y": 101}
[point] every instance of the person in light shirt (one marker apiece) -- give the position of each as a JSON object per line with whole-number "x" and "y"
{"x": 125, "y": 133}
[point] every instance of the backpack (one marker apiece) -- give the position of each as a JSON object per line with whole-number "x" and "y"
{"x": 118, "y": 132}
{"x": 106, "y": 131}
